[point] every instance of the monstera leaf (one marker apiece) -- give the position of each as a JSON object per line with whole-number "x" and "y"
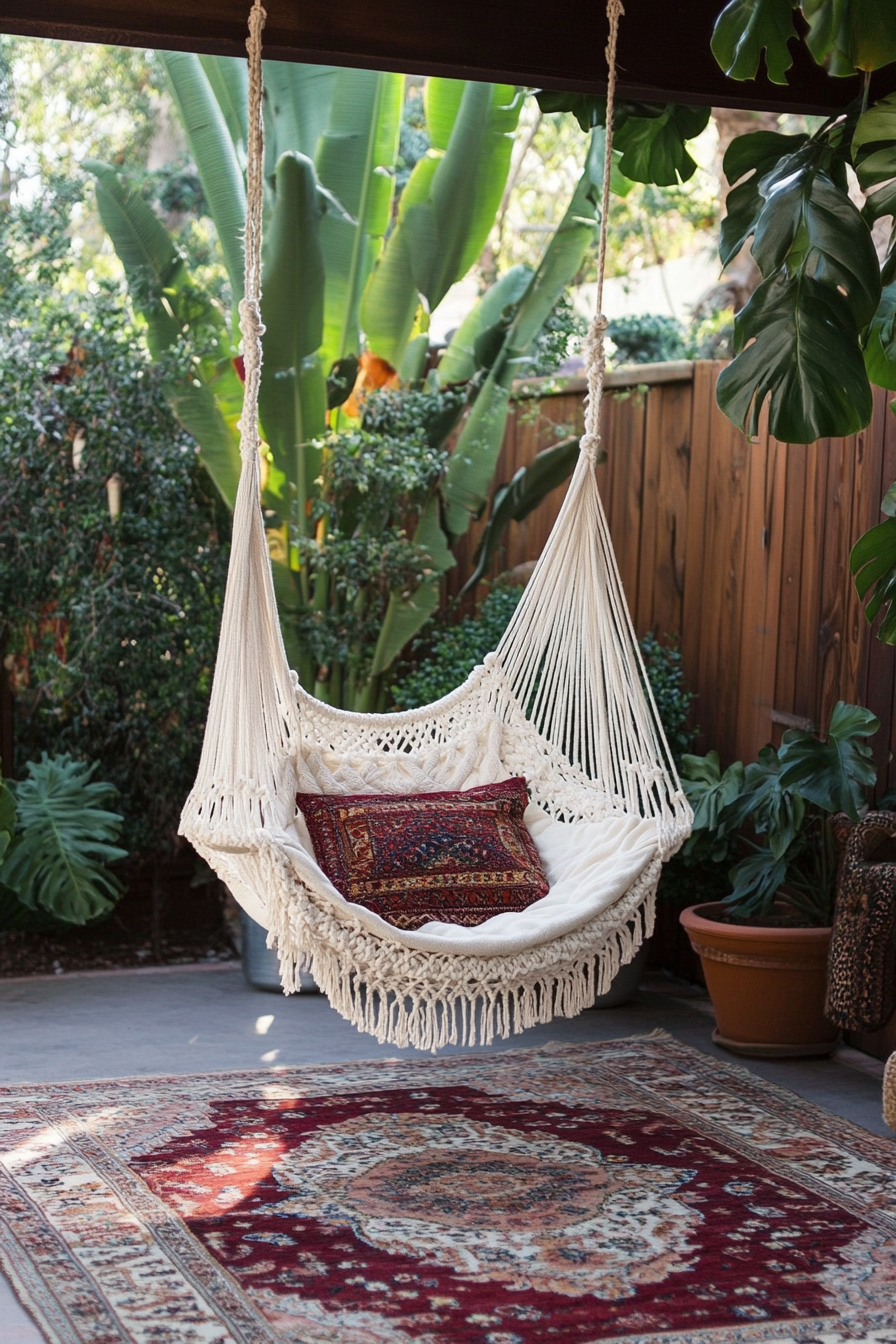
{"x": 797, "y": 340}
{"x": 873, "y": 562}
{"x": 850, "y": 35}
{"x": 747, "y": 28}
{"x": 837, "y": 773}
{"x": 750, "y": 157}
{"x": 649, "y": 139}
{"x": 57, "y": 862}
{"x": 710, "y": 793}
{"x": 773, "y": 809}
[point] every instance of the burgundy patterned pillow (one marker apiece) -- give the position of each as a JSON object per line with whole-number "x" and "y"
{"x": 456, "y": 857}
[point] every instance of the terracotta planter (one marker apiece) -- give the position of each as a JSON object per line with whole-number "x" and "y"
{"x": 767, "y": 985}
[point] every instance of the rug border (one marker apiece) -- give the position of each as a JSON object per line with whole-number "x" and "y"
{"x": 848, "y": 1131}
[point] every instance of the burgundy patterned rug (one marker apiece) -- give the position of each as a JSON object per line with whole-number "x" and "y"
{"x": 631, "y": 1190}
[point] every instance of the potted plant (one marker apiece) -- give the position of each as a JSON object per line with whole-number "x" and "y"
{"x": 764, "y": 948}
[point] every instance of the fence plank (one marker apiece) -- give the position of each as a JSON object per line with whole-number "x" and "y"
{"x": 741, "y": 549}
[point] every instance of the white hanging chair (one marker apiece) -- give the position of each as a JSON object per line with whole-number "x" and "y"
{"x": 564, "y": 701}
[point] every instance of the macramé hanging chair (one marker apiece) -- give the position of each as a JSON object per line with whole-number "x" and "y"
{"x": 564, "y": 701}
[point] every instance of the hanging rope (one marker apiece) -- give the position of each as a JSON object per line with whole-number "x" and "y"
{"x": 593, "y": 345}
{"x": 251, "y": 326}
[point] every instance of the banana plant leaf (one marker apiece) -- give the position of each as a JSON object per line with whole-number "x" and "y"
{"x": 354, "y": 160}
{"x": 515, "y": 500}
{"x": 472, "y": 463}
{"x": 297, "y": 102}
{"x": 447, "y": 207}
{"x": 208, "y": 399}
{"x": 213, "y": 152}
{"x": 405, "y": 616}
{"x": 797, "y": 339}
{"x": 837, "y": 773}
{"x": 229, "y": 81}
{"x": 490, "y": 314}
{"x": 293, "y": 394}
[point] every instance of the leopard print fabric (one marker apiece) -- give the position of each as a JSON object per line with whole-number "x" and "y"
{"x": 862, "y": 962}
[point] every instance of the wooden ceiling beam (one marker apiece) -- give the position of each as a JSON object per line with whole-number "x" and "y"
{"x": 664, "y": 49}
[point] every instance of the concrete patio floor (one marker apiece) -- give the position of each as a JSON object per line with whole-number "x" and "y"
{"x": 202, "y": 1019}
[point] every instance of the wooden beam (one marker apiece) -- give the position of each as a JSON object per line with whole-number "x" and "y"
{"x": 664, "y": 51}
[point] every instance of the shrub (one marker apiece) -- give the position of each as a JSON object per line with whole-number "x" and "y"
{"x": 111, "y": 624}
{"x": 647, "y": 338}
{"x": 454, "y": 650}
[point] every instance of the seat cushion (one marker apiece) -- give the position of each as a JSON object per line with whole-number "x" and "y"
{"x": 456, "y": 857}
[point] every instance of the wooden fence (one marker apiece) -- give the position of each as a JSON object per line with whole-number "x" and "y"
{"x": 740, "y": 547}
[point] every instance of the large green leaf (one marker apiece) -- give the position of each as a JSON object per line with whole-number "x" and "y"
{"x": 850, "y": 35}
{"x": 153, "y": 264}
{"x": 874, "y": 143}
{"x": 880, "y": 341}
{"x": 756, "y": 881}
{"x": 650, "y": 139}
{"x": 208, "y": 398}
{"x": 835, "y": 774}
{"x": 752, "y": 157}
{"x": 447, "y": 208}
{"x": 746, "y": 28}
{"x": 214, "y": 154}
{"x": 292, "y": 400}
{"x": 654, "y": 148}
{"x": 297, "y": 101}
{"x": 710, "y": 793}
{"x": 229, "y": 80}
{"x": 797, "y": 338}
{"x": 773, "y": 809}
{"x": 355, "y": 161}
{"x": 492, "y": 313}
{"x": 66, "y": 839}
{"x": 515, "y": 500}
{"x": 405, "y": 616}
{"x": 471, "y": 467}
{"x": 873, "y": 562}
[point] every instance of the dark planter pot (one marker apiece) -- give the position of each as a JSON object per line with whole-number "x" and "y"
{"x": 767, "y": 985}
{"x": 626, "y": 980}
{"x": 261, "y": 965}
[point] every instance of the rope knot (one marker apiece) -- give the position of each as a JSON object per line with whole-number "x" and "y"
{"x": 251, "y": 324}
{"x": 589, "y": 447}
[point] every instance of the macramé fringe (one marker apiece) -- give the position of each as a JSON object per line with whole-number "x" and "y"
{"x": 405, "y": 997}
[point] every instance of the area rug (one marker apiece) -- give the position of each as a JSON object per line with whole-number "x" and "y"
{"x": 631, "y": 1190}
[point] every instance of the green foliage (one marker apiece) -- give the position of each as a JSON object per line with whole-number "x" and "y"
{"x": 515, "y": 500}
{"x": 374, "y": 481}
{"x": 797, "y": 339}
{"x": 650, "y": 138}
{"x": 454, "y": 650}
{"x": 665, "y": 672}
{"x": 779, "y": 810}
{"x": 873, "y": 562}
{"x": 111, "y": 625}
{"x": 64, "y": 839}
{"x": 822, "y": 321}
{"x": 561, "y": 336}
{"x": 336, "y": 251}
{"x": 647, "y": 338}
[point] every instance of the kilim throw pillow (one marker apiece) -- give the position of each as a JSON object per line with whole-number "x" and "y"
{"x": 458, "y": 857}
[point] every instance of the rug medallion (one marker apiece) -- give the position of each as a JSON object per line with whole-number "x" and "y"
{"x": 627, "y": 1191}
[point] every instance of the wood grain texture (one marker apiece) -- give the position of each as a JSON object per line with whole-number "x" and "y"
{"x": 739, "y": 548}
